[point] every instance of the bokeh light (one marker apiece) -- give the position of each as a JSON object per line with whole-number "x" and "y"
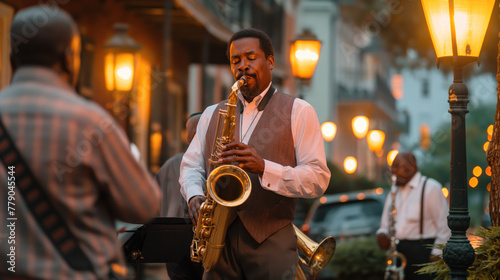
{"x": 473, "y": 182}
{"x": 350, "y": 165}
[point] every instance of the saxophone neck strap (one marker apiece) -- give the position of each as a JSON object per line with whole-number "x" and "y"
{"x": 38, "y": 202}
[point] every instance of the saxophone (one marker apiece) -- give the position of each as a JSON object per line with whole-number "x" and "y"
{"x": 227, "y": 186}
{"x": 396, "y": 261}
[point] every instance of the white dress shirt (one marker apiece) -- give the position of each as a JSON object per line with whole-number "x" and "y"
{"x": 309, "y": 179}
{"x": 408, "y": 202}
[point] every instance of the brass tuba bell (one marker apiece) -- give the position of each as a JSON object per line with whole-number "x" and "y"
{"x": 317, "y": 255}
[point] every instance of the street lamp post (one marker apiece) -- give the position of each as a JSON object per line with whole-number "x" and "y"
{"x": 457, "y": 29}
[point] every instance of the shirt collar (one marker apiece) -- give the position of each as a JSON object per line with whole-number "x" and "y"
{"x": 42, "y": 75}
{"x": 256, "y": 100}
{"x": 415, "y": 181}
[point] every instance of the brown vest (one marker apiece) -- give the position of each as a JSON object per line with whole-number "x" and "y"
{"x": 265, "y": 212}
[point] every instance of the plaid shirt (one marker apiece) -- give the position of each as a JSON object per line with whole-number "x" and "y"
{"x": 82, "y": 159}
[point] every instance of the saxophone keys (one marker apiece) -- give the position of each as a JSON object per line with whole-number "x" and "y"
{"x": 207, "y": 221}
{"x": 205, "y": 232}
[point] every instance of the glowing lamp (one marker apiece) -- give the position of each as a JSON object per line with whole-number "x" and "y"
{"x": 391, "y": 156}
{"x": 445, "y": 192}
{"x": 350, "y": 165}
{"x": 473, "y": 182}
{"x": 465, "y": 33}
{"x": 375, "y": 139}
{"x": 328, "y": 130}
{"x": 486, "y": 145}
{"x": 304, "y": 55}
{"x": 477, "y": 171}
{"x": 360, "y": 126}
{"x": 120, "y": 60}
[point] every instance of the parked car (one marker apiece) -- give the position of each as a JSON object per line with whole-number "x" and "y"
{"x": 345, "y": 215}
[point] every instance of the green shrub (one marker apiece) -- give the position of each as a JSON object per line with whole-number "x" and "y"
{"x": 358, "y": 258}
{"x": 485, "y": 266}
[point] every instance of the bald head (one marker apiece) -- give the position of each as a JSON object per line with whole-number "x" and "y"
{"x": 45, "y": 36}
{"x": 404, "y": 167}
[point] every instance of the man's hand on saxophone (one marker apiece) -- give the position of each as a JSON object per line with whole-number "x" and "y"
{"x": 194, "y": 207}
{"x": 244, "y": 156}
{"x": 383, "y": 241}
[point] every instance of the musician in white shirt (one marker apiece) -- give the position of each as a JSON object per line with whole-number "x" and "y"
{"x": 415, "y": 229}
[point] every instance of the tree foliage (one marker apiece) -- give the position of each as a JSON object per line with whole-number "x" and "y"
{"x": 493, "y": 156}
{"x": 400, "y": 26}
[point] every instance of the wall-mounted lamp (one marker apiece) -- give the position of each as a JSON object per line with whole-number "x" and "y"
{"x": 304, "y": 55}
{"x": 120, "y": 61}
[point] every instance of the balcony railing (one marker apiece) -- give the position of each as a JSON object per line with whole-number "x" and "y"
{"x": 380, "y": 96}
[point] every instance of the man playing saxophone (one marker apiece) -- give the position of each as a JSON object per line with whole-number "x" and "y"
{"x": 420, "y": 219}
{"x": 278, "y": 144}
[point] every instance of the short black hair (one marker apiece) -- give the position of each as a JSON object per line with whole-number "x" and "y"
{"x": 265, "y": 42}
{"x": 52, "y": 35}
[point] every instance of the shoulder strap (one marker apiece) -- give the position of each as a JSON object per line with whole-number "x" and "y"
{"x": 38, "y": 202}
{"x": 422, "y": 209}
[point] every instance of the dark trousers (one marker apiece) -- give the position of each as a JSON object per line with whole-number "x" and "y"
{"x": 276, "y": 258}
{"x": 416, "y": 252}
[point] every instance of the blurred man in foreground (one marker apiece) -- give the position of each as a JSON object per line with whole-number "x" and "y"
{"x": 86, "y": 174}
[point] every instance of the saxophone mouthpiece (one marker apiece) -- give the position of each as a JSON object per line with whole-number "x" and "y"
{"x": 241, "y": 81}
{"x": 394, "y": 178}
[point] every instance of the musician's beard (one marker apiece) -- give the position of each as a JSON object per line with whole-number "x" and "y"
{"x": 249, "y": 93}
{"x": 251, "y": 89}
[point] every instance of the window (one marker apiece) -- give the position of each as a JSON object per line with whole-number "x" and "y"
{"x": 6, "y": 13}
{"x": 425, "y": 88}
